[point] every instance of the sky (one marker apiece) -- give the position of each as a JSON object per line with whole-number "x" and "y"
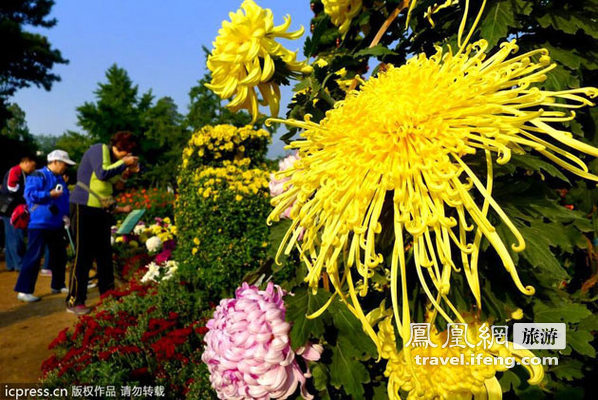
{"x": 158, "y": 42}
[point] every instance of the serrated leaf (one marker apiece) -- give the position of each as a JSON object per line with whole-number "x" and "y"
{"x": 347, "y": 372}
{"x": 537, "y": 252}
{"x": 320, "y": 376}
{"x": 509, "y": 380}
{"x": 499, "y": 18}
{"x": 589, "y": 324}
{"x": 376, "y": 51}
{"x": 571, "y": 313}
{"x": 536, "y": 164}
{"x": 350, "y": 328}
{"x": 380, "y": 392}
{"x": 580, "y": 341}
{"x": 299, "y": 305}
{"x": 567, "y": 57}
{"x": 568, "y": 370}
{"x": 569, "y": 23}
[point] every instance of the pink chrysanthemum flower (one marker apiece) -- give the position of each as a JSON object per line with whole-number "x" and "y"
{"x": 248, "y": 351}
{"x": 277, "y": 180}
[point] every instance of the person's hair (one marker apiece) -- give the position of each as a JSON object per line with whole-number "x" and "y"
{"x": 124, "y": 141}
{"x": 27, "y": 157}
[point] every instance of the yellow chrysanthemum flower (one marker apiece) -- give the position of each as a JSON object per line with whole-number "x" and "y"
{"x": 244, "y": 56}
{"x": 341, "y": 12}
{"x": 449, "y": 382}
{"x": 396, "y": 153}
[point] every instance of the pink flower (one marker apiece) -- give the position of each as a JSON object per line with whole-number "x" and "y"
{"x": 248, "y": 351}
{"x": 277, "y": 185}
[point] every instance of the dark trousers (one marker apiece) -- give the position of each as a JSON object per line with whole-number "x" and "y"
{"x": 36, "y": 240}
{"x": 91, "y": 233}
{"x": 14, "y": 245}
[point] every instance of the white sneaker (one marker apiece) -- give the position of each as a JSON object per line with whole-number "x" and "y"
{"x": 27, "y": 297}
{"x": 63, "y": 290}
{"x": 45, "y": 272}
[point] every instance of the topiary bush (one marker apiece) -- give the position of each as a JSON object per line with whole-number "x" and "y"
{"x": 222, "y": 207}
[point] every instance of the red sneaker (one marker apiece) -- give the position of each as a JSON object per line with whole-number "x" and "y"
{"x": 78, "y": 310}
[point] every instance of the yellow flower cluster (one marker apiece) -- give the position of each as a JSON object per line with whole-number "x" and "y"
{"x": 245, "y": 54}
{"x": 231, "y": 176}
{"x": 165, "y": 232}
{"x": 222, "y": 140}
{"x": 431, "y": 382}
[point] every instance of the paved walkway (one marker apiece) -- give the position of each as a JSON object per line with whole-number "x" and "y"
{"x": 27, "y": 329}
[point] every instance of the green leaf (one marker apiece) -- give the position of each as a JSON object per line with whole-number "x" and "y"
{"x": 350, "y": 328}
{"x": 299, "y": 305}
{"x": 499, "y": 18}
{"x": 589, "y": 324}
{"x": 569, "y": 23}
{"x": 537, "y": 251}
{"x": 380, "y": 392}
{"x": 568, "y": 370}
{"x": 568, "y": 312}
{"x": 536, "y": 164}
{"x": 509, "y": 380}
{"x": 320, "y": 376}
{"x": 580, "y": 341}
{"x": 376, "y": 51}
{"x": 347, "y": 372}
{"x": 567, "y": 57}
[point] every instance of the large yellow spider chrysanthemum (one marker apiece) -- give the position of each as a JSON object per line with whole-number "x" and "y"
{"x": 396, "y": 153}
{"x": 341, "y": 12}
{"x": 244, "y": 57}
{"x": 450, "y": 382}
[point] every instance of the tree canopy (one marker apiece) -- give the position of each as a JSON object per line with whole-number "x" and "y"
{"x": 157, "y": 124}
{"x": 27, "y": 58}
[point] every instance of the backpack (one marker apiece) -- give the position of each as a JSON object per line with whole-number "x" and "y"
{"x": 20, "y": 216}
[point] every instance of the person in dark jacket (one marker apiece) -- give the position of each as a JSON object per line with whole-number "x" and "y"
{"x": 13, "y": 184}
{"x": 101, "y": 167}
{"x": 47, "y": 198}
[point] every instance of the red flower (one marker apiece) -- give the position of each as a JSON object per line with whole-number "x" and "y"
{"x": 202, "y": 330}
{"x": 61, "y": 338}
{"x": 139, "y": 372}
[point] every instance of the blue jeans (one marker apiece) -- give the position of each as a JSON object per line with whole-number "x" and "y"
{"x": 36, "y": 239}
{"x": 14, "y": 245}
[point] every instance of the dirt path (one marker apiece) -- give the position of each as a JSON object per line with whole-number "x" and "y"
{"x": 27, "y": 329}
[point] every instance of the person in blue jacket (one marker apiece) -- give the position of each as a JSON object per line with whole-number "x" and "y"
{"x": 47, "y": 198}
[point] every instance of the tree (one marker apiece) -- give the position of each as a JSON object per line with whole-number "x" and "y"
{"x": 27, "y": 58}
{"x": 117, "y": 108}
{"x": 157, "y": 126}
{"x": 15, "y": 138}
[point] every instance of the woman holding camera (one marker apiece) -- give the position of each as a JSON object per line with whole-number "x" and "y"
{"x": 47, "y": 200}
{"x": 102, "y": 167}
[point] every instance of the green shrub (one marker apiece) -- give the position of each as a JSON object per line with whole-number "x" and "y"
{"x": 222, "y": 208}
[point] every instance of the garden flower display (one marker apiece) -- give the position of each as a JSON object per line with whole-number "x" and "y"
{"x": 277, "y": 186}
{"x": 246, "y": 55}
{"x": 248, "y": 351}
{"x": 395, "y": 155}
